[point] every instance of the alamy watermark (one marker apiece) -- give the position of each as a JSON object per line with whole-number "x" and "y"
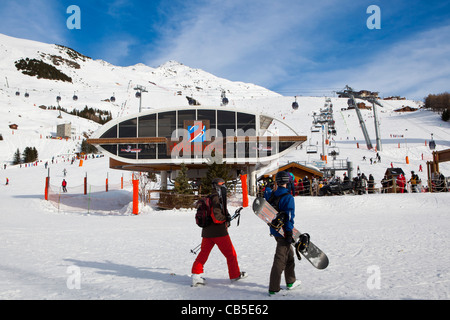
{"x": 374, "y": 280}
{"x": 209, "y": 144}
{"x": 74, "y": 279}
{"x": 74, "y": 20}
{"x": 374, "y": 21}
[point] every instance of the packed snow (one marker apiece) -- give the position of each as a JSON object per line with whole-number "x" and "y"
{"x": 380, "y": 246}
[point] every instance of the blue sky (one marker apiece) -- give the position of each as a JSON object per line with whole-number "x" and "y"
{"x": 290, "y": 46}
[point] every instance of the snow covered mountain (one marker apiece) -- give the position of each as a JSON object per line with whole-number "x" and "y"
{"x": 28, "y": 65}
{"x": 94, "y": 83}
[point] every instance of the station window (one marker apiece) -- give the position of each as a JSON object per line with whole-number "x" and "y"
{"x": 208, "y": 115}
{"x": 162, "y": 151}
{"x": 147, "y": 126}
{"x": 183, "y": 115}
{"x": 110, "y": 148}
{"x": 246, "y": 124}
{"x": 148, "y": 151}
{"x": 128, "y": 151}
{"x": 166, "y": 124}
{"x": 128, "y": 129}
{"x": 111, "y": 133}
{"x": 226, "y": 120}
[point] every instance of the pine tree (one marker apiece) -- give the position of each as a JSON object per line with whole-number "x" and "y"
{"x": 215, "y": 170}
{"x": 182, "y": 185}
{"x": 35, "y": 154}
{"x": 17, "y": 159}
{"x": 445, "y": 115}
{"x": 30, "y": 155}
{"x": 26, "y": 155}
{"x": 88, "y": 148}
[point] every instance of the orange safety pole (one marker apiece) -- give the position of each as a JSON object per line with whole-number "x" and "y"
{"x": 244, "y": 190}
{"x": 121, "y": 183}
{"x": 85, "y": 185}
{"x": 136, "y": 197}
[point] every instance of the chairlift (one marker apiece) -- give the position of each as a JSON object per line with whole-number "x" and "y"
{"x": 315, "y": 129}
{"x": 113, "y": 98}
{"x": 223, "y": 95}
{"x": 333, "y": 150}
{"x": 27, "y": 95}
{"x": 191, "y": 101}
{"x": 311, "y": 149}
{"x": 432, "y": 143}
{"x": 75, "y": 97}
{"x": 295, "y": 104}
{"x": 58, "y": 98}
{"x": 138, "y": 94}
{"x": 17, "y": 93}
{"x": 350, "y": 102}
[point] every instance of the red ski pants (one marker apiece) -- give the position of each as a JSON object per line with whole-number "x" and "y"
{"x": 226, "y": 247}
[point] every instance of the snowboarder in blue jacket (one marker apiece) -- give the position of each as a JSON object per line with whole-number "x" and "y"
{"x": 284, "y": 254}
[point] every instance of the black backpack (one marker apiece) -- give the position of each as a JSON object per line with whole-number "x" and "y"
{"x": 274, "y": 200}
{"x": 204, "y": 211}
{"x": 278, "y": 222}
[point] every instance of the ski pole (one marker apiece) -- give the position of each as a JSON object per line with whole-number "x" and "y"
{"x": 237, "y": 214}
{"x": 195, "y": 250}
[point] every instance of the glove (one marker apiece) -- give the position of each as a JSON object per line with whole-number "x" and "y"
{"x": 228, "y": 220}
{"x": 288, "y": 237}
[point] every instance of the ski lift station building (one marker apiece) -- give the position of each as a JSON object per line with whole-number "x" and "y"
{"x": 161, "y": 140}
{"x": 64, "y": 130}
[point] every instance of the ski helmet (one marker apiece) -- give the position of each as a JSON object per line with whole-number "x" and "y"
{"x": 282, "y": 177}
{"x": 218, "y": 182}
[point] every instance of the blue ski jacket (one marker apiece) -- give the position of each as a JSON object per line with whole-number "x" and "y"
{"x": 287, "y": 205}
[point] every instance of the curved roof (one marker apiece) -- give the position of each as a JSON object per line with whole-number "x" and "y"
{"x": 264, "y": 119}
{"x": 193, "y": 135}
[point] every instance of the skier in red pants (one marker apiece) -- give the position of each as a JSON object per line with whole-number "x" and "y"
{"x": 217, "y": 234}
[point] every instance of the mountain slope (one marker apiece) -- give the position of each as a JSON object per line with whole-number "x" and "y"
{"x": 94, "y": 83}
{"x": 169, "y": 85}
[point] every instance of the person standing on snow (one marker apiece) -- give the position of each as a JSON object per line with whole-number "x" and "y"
{"x": 217, "y": 234}
{"x": 401, "y": 182}
{"x": 283, "y": 201}
{"x": 64, "y": 185}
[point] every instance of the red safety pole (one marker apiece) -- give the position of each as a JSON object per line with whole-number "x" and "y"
{"x": 85, "y": 184}
{"x": 47, "y": 182}
{"x": 136, "y": 197}
{"x": 244, "y": 191}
